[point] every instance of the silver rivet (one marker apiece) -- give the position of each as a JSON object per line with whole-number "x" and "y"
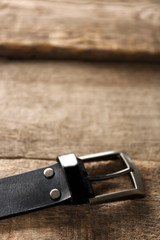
{"x": 49, "y": 172}
{"x": 55, "y": 194}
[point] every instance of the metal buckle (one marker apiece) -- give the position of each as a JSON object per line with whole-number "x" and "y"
{"x": 138, "y": 188}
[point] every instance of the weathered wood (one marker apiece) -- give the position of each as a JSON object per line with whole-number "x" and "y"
{"x": 58, "y": 107}
{"x": 132, "y": 219}
{"x": 51, "y": 108}
{"x": 123, "y": 30}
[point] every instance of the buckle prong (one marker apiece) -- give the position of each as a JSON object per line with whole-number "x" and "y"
{"x": 110, "y": 175}
{"x": 138, "y": 188}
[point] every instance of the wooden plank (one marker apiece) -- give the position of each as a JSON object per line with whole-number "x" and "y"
{"x": 94, "y": 30}
{"x": 132, "y": 219}
{"x": 51, "y": 108}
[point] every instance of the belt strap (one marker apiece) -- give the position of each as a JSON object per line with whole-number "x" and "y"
{"x": 31, "y": 190}
{"x": 65, "y": 182}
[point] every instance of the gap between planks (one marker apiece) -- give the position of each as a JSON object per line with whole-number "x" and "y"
{"x": 54, "y": 159}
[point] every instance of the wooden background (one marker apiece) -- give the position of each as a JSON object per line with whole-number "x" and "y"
{"x": 49, "y": 108}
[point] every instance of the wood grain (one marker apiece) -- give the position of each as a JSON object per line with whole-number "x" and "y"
{"x": 51, "y": 108}
{"x": 94, "y": 30}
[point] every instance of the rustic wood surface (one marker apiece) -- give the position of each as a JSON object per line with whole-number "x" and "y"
{"x": 123, "y": 30}
{"x": 51, "y": 108}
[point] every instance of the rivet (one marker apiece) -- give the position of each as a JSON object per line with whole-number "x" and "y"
{"x": 48, "y": 172}
{"x": 55, "y": 194}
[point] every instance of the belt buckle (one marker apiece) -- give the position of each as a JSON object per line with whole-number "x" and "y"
{"x": 138, "y": 188}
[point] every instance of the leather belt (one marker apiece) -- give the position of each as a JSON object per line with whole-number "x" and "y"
{"x": 65, "y": 182}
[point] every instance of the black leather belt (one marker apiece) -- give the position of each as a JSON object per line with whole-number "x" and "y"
{"x": 65, "y": 182}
